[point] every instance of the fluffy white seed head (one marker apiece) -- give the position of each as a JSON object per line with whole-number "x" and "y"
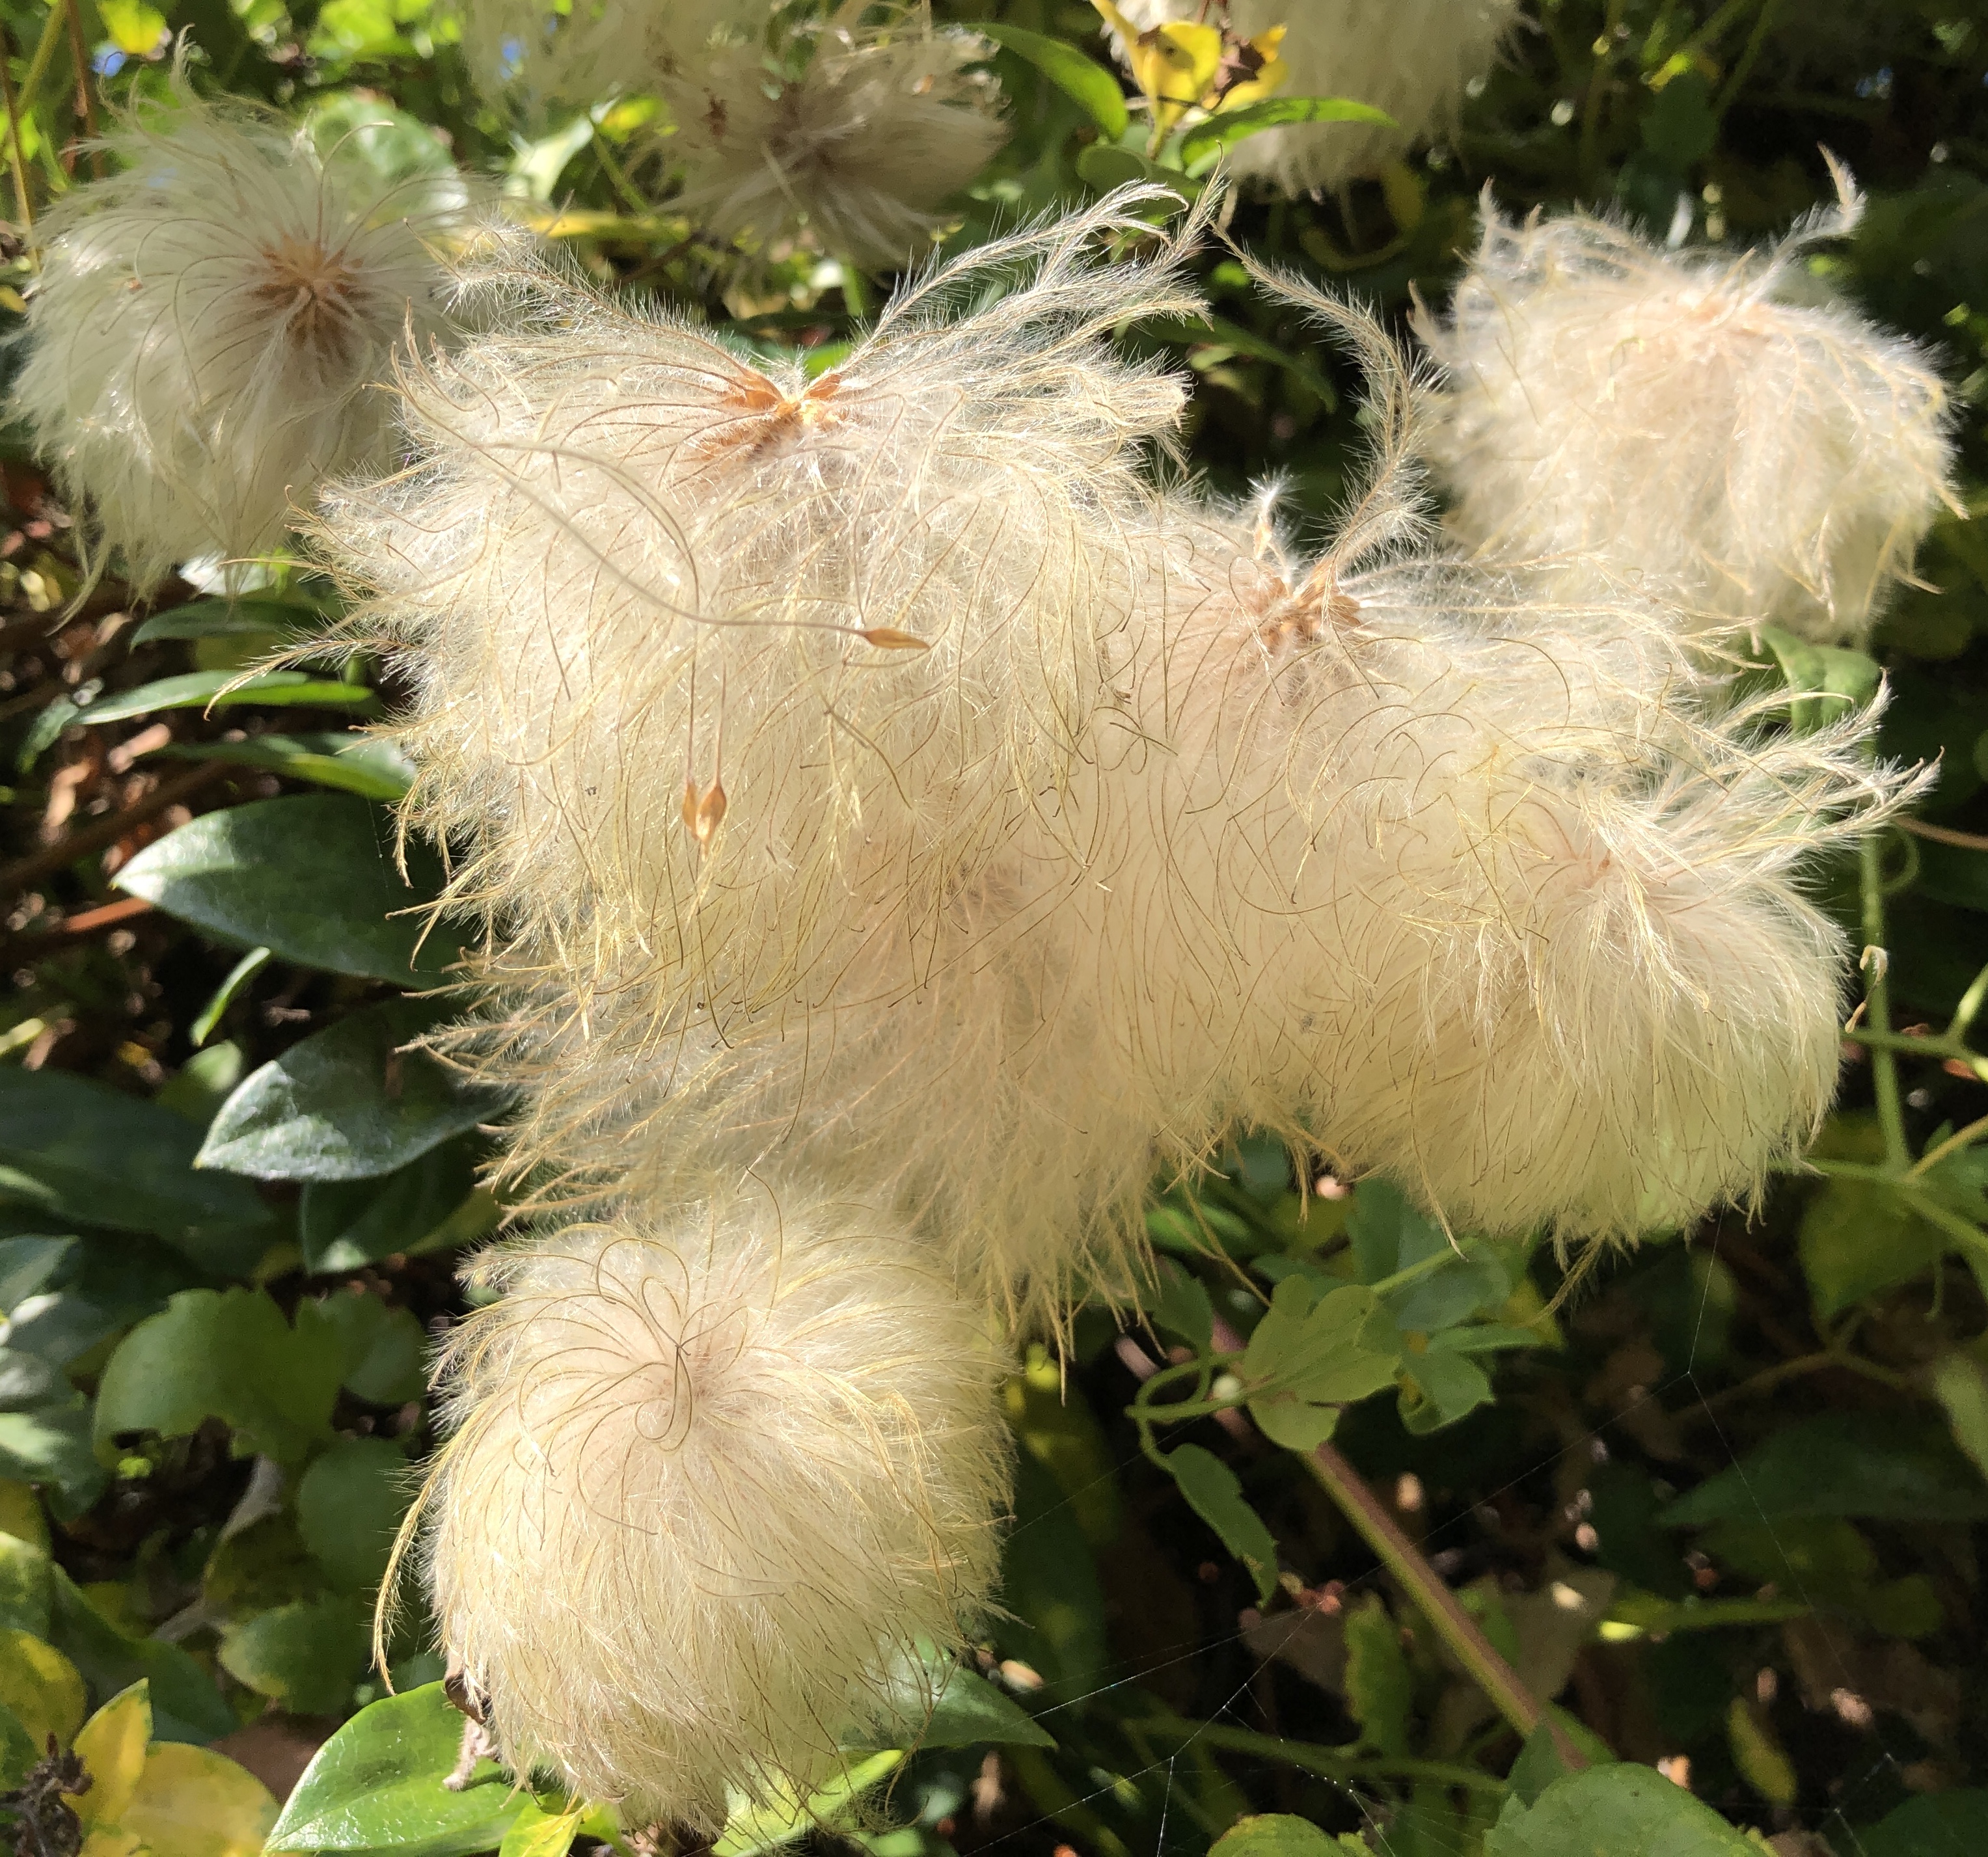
{"x": 713, "y": 660}
{"x": 591, "y": 50}
{"x": 710, "y": 1481}
{"x": 1696, "y": 417}
{"x": 210, "y": 324}
{"x": 851, "y": 129}
{"x": 1462, "y": 871}
{"x": 1410, "y": 57}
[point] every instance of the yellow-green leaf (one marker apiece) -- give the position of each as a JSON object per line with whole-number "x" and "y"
{"x": 535, "y": 1832}
{"x": 193, "y": 1802}
{"x": 112, "y": 1746}
{"x": 41, "y": 1686}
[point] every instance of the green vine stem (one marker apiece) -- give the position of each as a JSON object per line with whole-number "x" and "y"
{"x": 1424, "y": 1587}
{"x": 1327, "y": 1763}
{"x": 1877, "y": 1008}
{"x": 1433, "y": 1599}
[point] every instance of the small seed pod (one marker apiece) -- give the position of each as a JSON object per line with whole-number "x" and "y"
{"x": 1701, "y": 418}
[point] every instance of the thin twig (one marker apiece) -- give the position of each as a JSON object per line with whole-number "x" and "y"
{"x": 24, "y": 206}
{"x": 1960, "y": 1138}
{"x": 1943, "y": 835}
{"x": 85, "y": 97}
{"x": 1328, "y": 1763}
{"x": 107, "y": 831}
{"x": 1769, "y": 1378}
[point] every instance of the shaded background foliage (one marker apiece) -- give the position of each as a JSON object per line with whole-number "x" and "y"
{"x": 1725, "y": 1503}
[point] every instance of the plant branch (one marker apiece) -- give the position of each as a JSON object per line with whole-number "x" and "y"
{"x": 1444, "y": 1611}
{"x": 107, "y": 831}
{"x": 1877, "y": 1008}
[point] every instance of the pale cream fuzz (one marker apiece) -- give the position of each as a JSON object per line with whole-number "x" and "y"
{"x": 584, "y": 53}
{"x": 210, "y": 324}
{"x": 712, "y": 1478}
{"x": 851, "y": 130}
{"x": 1464, "y": 872}
{"x": 1704, "y": 419}
{"x": 1410, "y": 57}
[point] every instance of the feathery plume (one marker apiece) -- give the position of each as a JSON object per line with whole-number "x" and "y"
{"x": 586, "y": 53}
{"x": 1058, "y": 829}
{"x": 708, "y": 1485}
{"x": 1410, "y": 57}
{"x": 209, "y": 322}
{"x": 716, "y": 663}
{"x": 852, "y": 129}
{"x": 1695, "y": 417}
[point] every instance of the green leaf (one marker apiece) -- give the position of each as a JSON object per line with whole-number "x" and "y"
{"x": 26, "y": 1263}
{"x": 936, "y": 1702}
{"x": 229, "y": 1355}
{"x": 1881, "y": 1465}
{"x": 1104, "y": 167}
{"x": 312, "y": 877}
{"x": 78, "y": 1151}
{"x": 1229, "y": 126}
{"x": 1279, "y": 1835}
{"x": 347, "y": 1102}
{"x": 18, "y": 1754}
{"x": 228, "y": 618}
{"x": 377, "y": 1785}
{"x": 1388, "y": 1232}
{"x": 225, "y": 689}
{"x": 344, "y": 1225}
{"x": 1961, "y": 1382}
{"x": 1181, "y": 1309}
{"x": 1438, "y": 1387}
{"x": 1306, "y": 1359}
{"x": 1083, "y": 80}
{"x": 1379, "y": 1689}
{"x": 382, "y": 1349}
{"x": 1830, "y": 682}
{"x": 306, "y": 1656}
{"x": 1621, "y": 1808}
{"x": 535, "y": 1832}
{"x": 225, "y": 994}
{"x": 1214, "y": 1494}
{"x": 186, "y": 1706}
{"x": 52, "y": 1445}
{"x": 1860, "y": 1236}
{"x": 1212, "y": 330}
{"x": 1049, "y": 1585}
{"x": 785, "y": 1817}
{"x": 349, "y": 1507}
{"x": 1941, "y": 1825}
{"x": 348, "y": 762}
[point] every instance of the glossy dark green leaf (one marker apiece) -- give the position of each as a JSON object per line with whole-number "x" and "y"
{"x": 348, "y": 762}
{"x": 344, "y": 1225}
{"x": 228, "y": 690}
{"x": 1083, "y": 80}
{"x": 227, "y": 619}
{"x": 346, "y": 1103}
{"x": 313, "y": 878}
{"x": 227, "y": 1354}
{"x": 1623, "y": 1808}
{"x": 80, "y": 1152}
{"x": 51, "y": 1445}
{"x": 377, "y": 1785}
{"x": 1878, "y": 1465}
